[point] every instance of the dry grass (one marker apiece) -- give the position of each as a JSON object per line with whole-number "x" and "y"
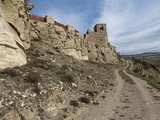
{"x": 151, "y": 82}
{"x": 125, "y": 77}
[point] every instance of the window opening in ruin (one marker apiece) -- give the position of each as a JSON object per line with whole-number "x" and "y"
{"x": 101, "y": 28}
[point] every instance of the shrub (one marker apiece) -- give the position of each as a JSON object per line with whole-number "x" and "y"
{"x": 74, "y": 103}
{"x": 84, "y": 100}
{"x": 33, "y": 77}
{"x": 11, "y": 72}
{"x": 68, "y": 78}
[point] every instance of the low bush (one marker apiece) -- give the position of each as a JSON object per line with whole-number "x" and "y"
{"x": 68, "y": 78}
{"x": 33, "y": 77}
{"x": 85, "y": 100}
{"x": 11, "y": 72}
{"x": 74, "y": 103}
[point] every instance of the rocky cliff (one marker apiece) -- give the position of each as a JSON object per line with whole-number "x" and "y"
{"x": 48, "y": 37}
{"x": 51, "y": 85}
{"x": 13, "y": 32}
{"x": 20, "y": 31}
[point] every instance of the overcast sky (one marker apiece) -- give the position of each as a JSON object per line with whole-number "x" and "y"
{"x": 133, "y": 25}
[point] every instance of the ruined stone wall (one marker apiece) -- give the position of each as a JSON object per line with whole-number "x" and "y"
{"x": 100, "y": 39}
{"x": 12, "y": 33}
{"x": 92, "y": 46}
{"x": 99, "y": 49}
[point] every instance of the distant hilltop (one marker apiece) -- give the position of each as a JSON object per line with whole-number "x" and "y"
{"x": 21, "y": 31}
{"x": 143, "y": 55}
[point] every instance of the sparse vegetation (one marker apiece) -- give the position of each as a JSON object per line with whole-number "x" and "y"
{"x": 33, "y": 77}
{"x": 145, "y": 64}
{"x": 85, "y": 100}
{"x": 151, "y": 82}
{"x": 74, "y": 103}
{"x": 125, "y": 77}
{"x": 11, "y": 72}
{"x": 145, "y": 71}
{"x": 68, "y": 78}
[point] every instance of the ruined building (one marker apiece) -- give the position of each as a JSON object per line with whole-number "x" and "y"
{"x": 99, "y": 49}
{"x": 20, "y": 30}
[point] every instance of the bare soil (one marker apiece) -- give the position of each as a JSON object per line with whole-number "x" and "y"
{"x": 126, "y": 101}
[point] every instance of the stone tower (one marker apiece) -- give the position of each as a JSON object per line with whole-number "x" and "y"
{"x": 99, "y": 49}
{"x": 98, "y": 36}
{"x": 100, "y": 28}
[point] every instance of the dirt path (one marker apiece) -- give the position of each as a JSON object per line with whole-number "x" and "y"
{"x": 126, "y": 101}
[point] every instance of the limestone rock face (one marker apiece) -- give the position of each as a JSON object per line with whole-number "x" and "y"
{"x": 52, "y": 36}
{"x": 49, "y": 19}
{"x": 93, "y": 45}
{"x": 16, "y": 15}
{"x": 11, "y": 45}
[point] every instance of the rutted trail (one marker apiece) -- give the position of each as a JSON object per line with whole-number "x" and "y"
{"x": 126, "y": 101}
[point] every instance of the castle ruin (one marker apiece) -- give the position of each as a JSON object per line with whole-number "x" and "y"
{"x": 20, "y": 30}
{"x": 99, "y": 49}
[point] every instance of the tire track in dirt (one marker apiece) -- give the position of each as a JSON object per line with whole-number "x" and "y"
{"x": 126, "y": 101}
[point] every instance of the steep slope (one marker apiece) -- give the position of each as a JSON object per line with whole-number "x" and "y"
{"x": 52, "y": 89}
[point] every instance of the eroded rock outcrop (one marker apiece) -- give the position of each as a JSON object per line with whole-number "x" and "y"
{"x": 13, "y": 22}
{"x": 92, "y": 46}
{"x": 52, "y": 37}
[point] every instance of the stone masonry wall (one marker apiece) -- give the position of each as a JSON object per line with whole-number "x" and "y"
{"x": 99, "y": 49}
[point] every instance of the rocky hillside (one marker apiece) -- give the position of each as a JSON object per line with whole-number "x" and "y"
{"x": 150, "y": 57}
{"x": 52, "y": 89}
{"x": 49, "y": 71}
{"x": 147, "y": 71}
{"x": 19, "y": 31}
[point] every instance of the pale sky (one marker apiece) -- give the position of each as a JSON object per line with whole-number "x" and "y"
{"x": 133, "y": 25}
